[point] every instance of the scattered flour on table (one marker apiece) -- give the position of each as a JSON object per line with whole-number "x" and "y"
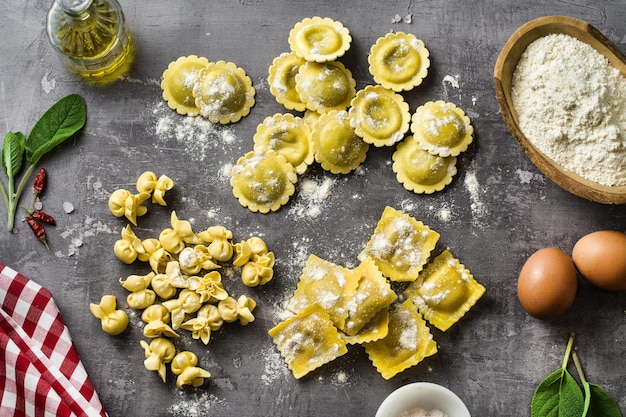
{"x": 274, "y": 367}
{"x": 196, "y": 135}
{"x": 312, "y": 196}
{"x": 48, "y": 84}
{"x": 408, "y": 18}
{"x": 198, "y": 405}
{"x": 526, "y": 177}
{"x": 477, "y": 206}
{"x": 571, "y": 104}
{"x": 452, "y": 81}
{"x": 78, "y": 233}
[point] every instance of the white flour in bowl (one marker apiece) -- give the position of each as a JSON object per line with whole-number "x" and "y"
{"x": 571, "y": 104}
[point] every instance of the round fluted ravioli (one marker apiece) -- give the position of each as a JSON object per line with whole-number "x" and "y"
{"x": 338, "y": 148}
{"x": 325, "y": 86}
{"x": 282, "y": 80}
{"x": 223, "y": 92}
{"x": 380, "y": 116}
{"x": 399, "y": 61}
{"x": 319, "y": 39}
{"x": 263, "y": 182}
{"x": 420, "y": 171}
{"x": 442, "y": 128}
{"x": 178, "y": 81}
{"x": 289, "y": 136}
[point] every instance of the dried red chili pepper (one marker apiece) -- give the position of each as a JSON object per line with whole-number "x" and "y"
{"x": 44, "y": 217}
{"x": 40, "y": 182}
{"x": 38, "y": 230}
{"x": 40, "y": 215}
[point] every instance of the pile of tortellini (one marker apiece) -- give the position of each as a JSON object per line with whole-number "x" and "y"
{"x": 340, "y": 123}
{"x": 184, "y": 289}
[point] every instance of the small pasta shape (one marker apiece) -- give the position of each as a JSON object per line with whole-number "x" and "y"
{"x": 156, "y": 317}
{"x": 163, "y": 184}
{"x": 113, "y": 321}
{"x": 133, "y": 207}
{"x": 117, "y": 202}
{"x": 209, "y": 287}
{"x": 129, "y": 247}
{"x": 184, "y": 365}
{"x": 159, "y": 352}
{"x": 207, "y": 319}
{"x": 188, "y": 302}
{"x": 146, "y": 182}
{"x": 161, "y": 286}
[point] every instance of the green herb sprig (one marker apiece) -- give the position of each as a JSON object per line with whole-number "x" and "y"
{"x": 58, "y": 123}
{"x": 597, "y": 401}
{"x": 560, "y": 395}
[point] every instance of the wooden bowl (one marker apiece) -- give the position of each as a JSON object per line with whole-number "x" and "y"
{"x": 502, "y": 77}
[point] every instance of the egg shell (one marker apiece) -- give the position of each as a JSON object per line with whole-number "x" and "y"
{"x": 600, "y": 257}
{"x": 547, "y": 284}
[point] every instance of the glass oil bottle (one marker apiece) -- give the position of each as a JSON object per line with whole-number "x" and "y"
{"x": 90, "y": 37}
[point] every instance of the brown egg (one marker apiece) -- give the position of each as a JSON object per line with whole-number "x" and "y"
{"x": 600, "y": 257}
{"x": 547, "y": 284}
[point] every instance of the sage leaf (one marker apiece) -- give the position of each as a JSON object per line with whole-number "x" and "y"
{"x": 601, "y": 404}
{"x": 597, "y": 401}
{"x": 559, "y": 395}
{"x": 58, "y": 123}
{"x": 12, "y": 153}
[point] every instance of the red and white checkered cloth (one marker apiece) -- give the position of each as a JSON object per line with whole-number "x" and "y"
{"x": 40, "y": 371}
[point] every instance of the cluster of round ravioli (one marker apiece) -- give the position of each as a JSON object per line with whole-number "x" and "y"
{"x": 339, "y": 123}
{"x": 219, "y": 91}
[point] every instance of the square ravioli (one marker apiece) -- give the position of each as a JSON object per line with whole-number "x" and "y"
{"x": 400, "y": 245}
{"x": 444, "y": 291}
{"x": 326, "y": 284}
{"x": 372, "y": 295}
{"x": 407, "y": 343}
{"x": 375, "y": 329}
{"x": 308, "y": 340}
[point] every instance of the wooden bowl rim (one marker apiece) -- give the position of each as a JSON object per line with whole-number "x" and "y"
{"x": 503, "y": 72}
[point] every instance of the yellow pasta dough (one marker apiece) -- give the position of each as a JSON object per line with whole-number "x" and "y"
{"x": 282, "y": 80}
{"x": 289, "y": 136}
{"x": 380, "y": 116}
{"x": 159, "y": 352}
{"x": 373, "y": 294}
{"x": 263, "y": 182}
{"x": 156, "y": 318}
{"x": 444, "y": 291}
{"x": 319, "y": 39}
{"x": 325, "y": 86}
{"x": 207, "y": 319}
{"x": 399, "y": 61}
{"x": 442, "y": 128}
{"x": 308, "y": 340}
{"x": 112, "y": 320}
{"x": 338, "y": 148}
{"x": 178, "y": 81}
{"x": 420, "y": 171}
{"x": 407, "y": 343}
{"x": 223, "y": 92}
{"x": 184, "y": 366}
{"x": 375, "y": 329}
{"x": 400, "y": 245}
{"x": 327, "y": 285}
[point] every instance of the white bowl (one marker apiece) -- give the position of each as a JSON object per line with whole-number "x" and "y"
{"x": 425, "y": 395}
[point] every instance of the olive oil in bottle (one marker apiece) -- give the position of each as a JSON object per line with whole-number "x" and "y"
{"x": 90, "y": 37}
